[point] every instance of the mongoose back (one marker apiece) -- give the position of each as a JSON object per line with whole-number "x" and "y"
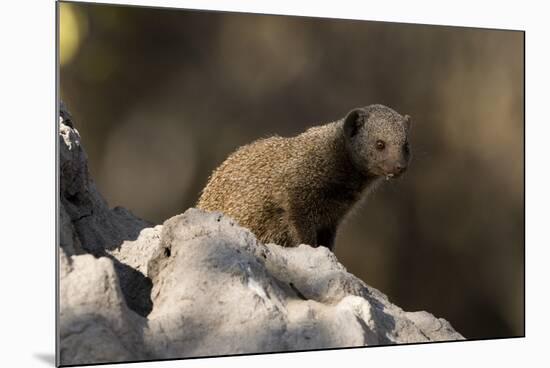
{"x": 296, "y": 190}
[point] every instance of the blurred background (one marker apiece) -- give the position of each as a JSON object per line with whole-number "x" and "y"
{"x": 161, "y": 97}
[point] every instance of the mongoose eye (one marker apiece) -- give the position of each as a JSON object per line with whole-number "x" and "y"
{"x": 380, "y": 145}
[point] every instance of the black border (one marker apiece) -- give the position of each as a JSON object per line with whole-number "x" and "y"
{"x": 56, "y": 130}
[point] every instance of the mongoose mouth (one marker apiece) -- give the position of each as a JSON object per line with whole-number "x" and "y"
{"x": 388, "y": 174}
{"x": 393, "y": 175}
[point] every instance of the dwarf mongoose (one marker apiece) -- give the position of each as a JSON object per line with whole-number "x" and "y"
{"x": 296, "y": 190}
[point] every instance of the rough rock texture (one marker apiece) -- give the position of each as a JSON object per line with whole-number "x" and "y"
{"x": 94, "y": 322}
{"x": 86, "y": 222}
{"x": 201, "y": 285}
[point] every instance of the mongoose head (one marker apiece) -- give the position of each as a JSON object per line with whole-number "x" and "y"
{"x": 377, "y": 139}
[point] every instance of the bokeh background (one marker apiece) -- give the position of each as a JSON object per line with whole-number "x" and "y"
{"x": 162, "y": 96}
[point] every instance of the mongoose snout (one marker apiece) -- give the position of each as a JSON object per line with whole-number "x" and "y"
{"x": 399, "y": 168}
{"x": 297, "y": 190}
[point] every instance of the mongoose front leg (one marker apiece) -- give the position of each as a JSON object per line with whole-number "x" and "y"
{"x": 302, "y": 232}
{"x": 326, "y": 237}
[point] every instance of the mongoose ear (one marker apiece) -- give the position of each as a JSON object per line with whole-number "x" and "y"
{"x": 353, "y": 121}
{"x": 408, "y": 122}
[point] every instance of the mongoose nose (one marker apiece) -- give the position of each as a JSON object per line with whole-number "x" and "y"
{"x": 400, "y": 168}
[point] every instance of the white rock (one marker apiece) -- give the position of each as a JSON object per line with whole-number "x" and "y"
{"x": 213, "y": 280}
{"x": 94, "y": 322}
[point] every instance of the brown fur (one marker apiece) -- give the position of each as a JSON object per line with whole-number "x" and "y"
{"x": 295, "y": 190}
